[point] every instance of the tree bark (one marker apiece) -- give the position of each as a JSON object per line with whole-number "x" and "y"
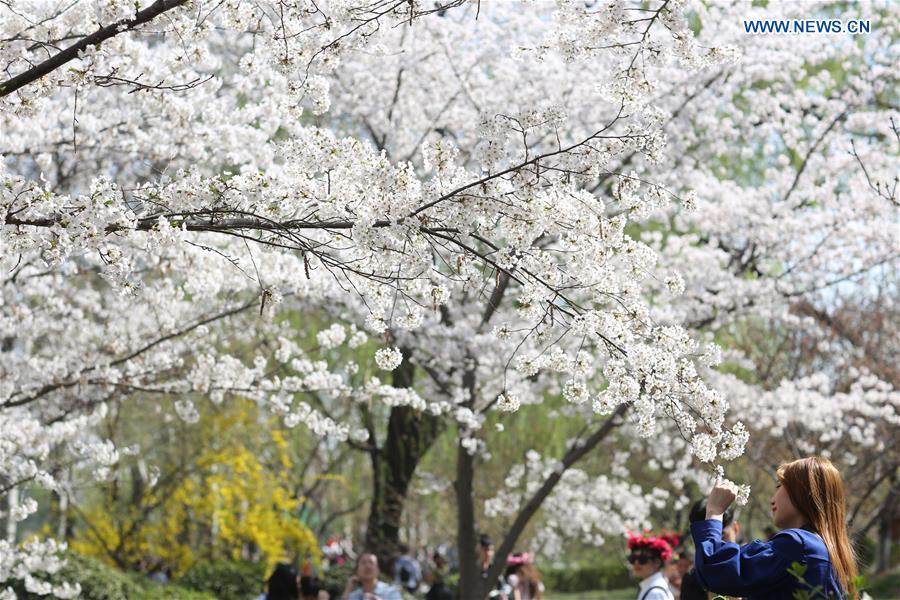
{"x": 471, "y": 584}
{"x": 886, "y": 520}
{"x": 409, "y": 436}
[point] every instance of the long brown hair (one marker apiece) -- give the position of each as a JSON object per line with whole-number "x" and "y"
{"x": 816, "y": 489}
{"x": 532, "y": 578}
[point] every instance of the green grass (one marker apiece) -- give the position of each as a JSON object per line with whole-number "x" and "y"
{"x": 626, "y": 594}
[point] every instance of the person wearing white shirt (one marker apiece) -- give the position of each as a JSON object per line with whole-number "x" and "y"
{"x": 655, "y": 587}
{"x": 364, "y": 585}
{"x": 647, "y": 558}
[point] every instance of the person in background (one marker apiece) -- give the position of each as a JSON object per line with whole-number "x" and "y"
{"x": 333, "y": 590}
{"x": 523, "y": 578}
{"x": 439, "y": 567}
{"x": 685, "y": 562}
{"x": 160, "y": 576}
{"x": 808, "y": 507}
{"x": 648, "y": 555}
{"x": 407, "y": 571}
{"x": 500, "y": 590}
{"x": 485, "y": 553}
{"x": 364, "y": 584}
{"x": 282, "y": 584}
{"x": 438, "y": 590}
{"x": 680, "y": 566}
{"x": 334, "y": 551}
{"x": 312, "y": 588}
{"x": 691, "y": 588}
{"x": 671, "y": 570}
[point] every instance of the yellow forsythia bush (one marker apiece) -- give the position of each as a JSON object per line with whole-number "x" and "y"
{"x": 228, "y": 502}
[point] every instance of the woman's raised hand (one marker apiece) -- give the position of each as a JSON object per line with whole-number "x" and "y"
{"x": 720, "y": 498}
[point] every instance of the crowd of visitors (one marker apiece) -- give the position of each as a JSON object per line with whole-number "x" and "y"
{"x": 807, "y": 507}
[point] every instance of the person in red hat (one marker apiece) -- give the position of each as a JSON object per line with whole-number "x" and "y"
{"x": 647, "y": 556}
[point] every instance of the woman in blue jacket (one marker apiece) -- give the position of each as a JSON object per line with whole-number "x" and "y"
{"x": 808, "y": 506}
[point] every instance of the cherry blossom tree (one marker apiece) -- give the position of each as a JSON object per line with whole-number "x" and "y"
{"x": 754, "y": 251}
{"x": 505, "y": 202}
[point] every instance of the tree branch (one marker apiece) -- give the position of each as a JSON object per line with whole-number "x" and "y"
{"x": 573, "y": 455}
{"x": 95, "y": 39}
{"x": 75, "y": 380}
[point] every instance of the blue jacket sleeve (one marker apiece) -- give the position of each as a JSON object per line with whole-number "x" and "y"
{"x": 750, "y": 570}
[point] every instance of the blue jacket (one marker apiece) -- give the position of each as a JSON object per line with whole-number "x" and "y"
{"x": 759, "y": 570}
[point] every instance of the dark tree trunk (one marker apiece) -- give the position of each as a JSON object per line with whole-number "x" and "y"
{"x": 409, "y": 436}
{"x": 471, "y": 584}
{"x": 886, "y": 519}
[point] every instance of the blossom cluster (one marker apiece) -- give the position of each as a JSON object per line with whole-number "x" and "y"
{"x": 581, "y": 507}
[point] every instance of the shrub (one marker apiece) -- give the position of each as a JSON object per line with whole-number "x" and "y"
{"x": 609, "y": 575}
{"x": 160, "y": 591}
{"x": 226, "y": 580}
{"x": 452, "y": 581}
{"x": 865, "y": 552}
{"x": 883, "y": 586}
{"x": 98, "y": 581}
